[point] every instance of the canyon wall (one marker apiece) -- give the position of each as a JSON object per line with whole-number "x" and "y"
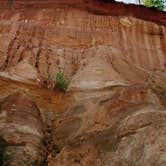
{"x": 39, "y": 42}
{"x": 113, "y": 113}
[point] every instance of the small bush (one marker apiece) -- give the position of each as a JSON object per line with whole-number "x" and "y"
{"x": 159, "y": 4}
{"x": 62, "y": 82}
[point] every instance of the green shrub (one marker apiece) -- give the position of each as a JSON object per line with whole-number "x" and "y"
{"x": 159, "y": 4}
{"x": 62, "y": 82}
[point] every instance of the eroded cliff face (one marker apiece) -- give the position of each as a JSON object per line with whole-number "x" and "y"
{"x": 39, "y": 42}
{"x": 114, "y": 111}
{"x": 127, "y": 128}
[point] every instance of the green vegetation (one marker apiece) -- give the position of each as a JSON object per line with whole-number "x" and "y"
{"x": 159, "y": 4}
{"x": 62, "y": 82}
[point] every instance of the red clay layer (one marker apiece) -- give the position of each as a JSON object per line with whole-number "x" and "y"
{"x": 101, "y": 7}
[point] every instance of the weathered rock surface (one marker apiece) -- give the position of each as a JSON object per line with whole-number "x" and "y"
{"x": 97, "y": 74}
{"x": 115, "y": 57}
{"x": 125, "y": 129}
{"x": 21, "y": 132}
{"x": 59, "y": 38}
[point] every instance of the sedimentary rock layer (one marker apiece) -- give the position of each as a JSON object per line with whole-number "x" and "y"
{"x": 125, "y": 129}
{"x": 100, "y": 7}
{"x": 98, "y": 45}
{"x": 21, "y": 132}
{"x": 45, "y": 40}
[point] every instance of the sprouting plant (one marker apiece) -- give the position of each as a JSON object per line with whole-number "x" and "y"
{"x": 62, "y": 82}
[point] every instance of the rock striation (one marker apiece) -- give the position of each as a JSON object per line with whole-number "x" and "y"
{"x": 127, "y": 128}
{"x": 46, "y": 40}
{"x": 114, "y": 111}
{"x": 21, "y": 132}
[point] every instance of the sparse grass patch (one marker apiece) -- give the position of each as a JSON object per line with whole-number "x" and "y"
{"x": 62, "y": 81}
